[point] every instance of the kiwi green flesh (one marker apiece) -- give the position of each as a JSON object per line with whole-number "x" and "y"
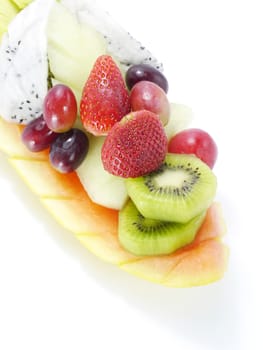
{"x": 182, "y": 188}
{"x": 148, "y": 237}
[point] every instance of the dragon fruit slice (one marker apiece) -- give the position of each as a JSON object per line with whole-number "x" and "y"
{"x": 120, "y": 44}
{"x": 24, "y": 64}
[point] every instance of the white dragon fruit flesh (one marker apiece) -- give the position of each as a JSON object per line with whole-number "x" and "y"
{"x": 24, "y": 64}
{"x": 120, "y": 44}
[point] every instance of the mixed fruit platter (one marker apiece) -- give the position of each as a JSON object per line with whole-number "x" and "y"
{"x": 86, "y": 121}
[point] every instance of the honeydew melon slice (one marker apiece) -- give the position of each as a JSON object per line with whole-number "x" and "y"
{"x": 102, "y": 187}
{"x": 180, "y": 117}
{"x": 70, "y": 52}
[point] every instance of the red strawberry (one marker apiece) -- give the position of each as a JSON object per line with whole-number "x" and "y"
{"x": 135, "y": 146}
{"x": 105, "y": 99}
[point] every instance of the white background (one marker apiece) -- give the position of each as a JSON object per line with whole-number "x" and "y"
{"x": 55, "y": 295}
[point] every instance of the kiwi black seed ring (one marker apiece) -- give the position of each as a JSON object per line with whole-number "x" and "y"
{"x": 150, "y": 226}
{"x": 184, "y": 190}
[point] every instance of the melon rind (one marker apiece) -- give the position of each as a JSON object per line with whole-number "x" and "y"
{"x": 203, "y": 261}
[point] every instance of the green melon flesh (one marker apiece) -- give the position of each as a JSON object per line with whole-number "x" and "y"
{"x": 180, "y": 117}
{"x": 102, "y": 187}
{"x": 72, "y": 48}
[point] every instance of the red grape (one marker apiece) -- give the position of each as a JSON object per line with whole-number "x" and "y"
{"x": 69, "y": 150}
{"x": 60, "y": 108}
{"x": 140, "y": 72}
{"x": 36, "y": 136}
{"x": 149, "y": 96}
{"x": 197, "y": 142}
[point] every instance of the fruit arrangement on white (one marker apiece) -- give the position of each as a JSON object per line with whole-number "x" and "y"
{"x": 95, "y": 100}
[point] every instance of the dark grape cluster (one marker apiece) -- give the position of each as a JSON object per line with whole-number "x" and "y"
{"x": 54, "y": 131}
{"x": 68, "y": 146}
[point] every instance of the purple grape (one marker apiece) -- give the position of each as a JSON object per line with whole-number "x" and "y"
{"x": 36, "y": 136}
{"x": 140, "y": 72}
{"x": 60, "y": 108}
{"x": 69, "y": 150}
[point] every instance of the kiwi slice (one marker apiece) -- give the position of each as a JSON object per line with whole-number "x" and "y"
{"x": 143, "y": 236}
{"x": 179, "y": 190}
